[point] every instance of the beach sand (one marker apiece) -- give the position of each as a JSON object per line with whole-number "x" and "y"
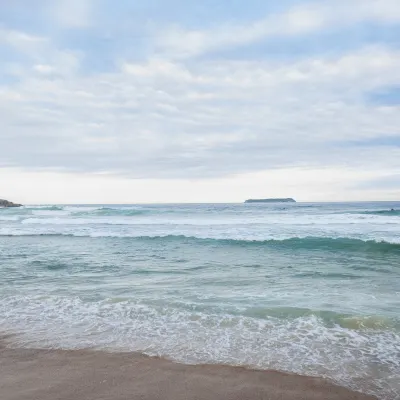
{"x": 30, "y": 374}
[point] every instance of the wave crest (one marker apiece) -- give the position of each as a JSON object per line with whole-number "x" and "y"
{"x": 309, "y": 242}
{"x": 389, "y": 213}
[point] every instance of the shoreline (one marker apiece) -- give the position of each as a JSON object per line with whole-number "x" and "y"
{"x": 27, "y": 374}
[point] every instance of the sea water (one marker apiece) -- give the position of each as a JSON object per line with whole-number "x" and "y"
{"x": 306, "y": 288}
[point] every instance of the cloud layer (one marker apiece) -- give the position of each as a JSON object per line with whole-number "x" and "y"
{"x": 171, "y": 101}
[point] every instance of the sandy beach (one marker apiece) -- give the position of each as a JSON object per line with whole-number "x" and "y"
{"x": 30, "y": 374}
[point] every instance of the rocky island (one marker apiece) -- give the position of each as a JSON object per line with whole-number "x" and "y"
{"x": 7, "y": 204}
{"x": 287, "y": 200}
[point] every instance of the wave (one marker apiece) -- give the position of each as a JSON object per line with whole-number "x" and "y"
{"x": 51, "y": 208}
{"x": 9, "y": 218}
{"x": 389, "y": 213}
{"x": 330, "y": 318}
{"x": 108, "y": 211}
{"x": 322, "y": 243}
{"x": 302, "y": 243}
{"x": 139, "y": 211}
{"x": 346, "y": 352}
{"x": 41, "y": 208}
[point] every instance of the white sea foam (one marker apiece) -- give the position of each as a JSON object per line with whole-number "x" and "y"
{"x": 249, "y": 232}
{"x": 9, "y": 218}
{"x": 302, "y": 345}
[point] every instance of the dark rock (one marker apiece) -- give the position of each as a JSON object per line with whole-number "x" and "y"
{"x": 7, "y": 204}
{"x": 287, "y": 200}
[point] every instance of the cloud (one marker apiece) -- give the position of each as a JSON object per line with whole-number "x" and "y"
{"x": 22, "y": 42}
{"x": 168, "y": 119}
{"x": 39, "y": 54}
{"x": 338, "y": 184}
{"x": 43, "y": 69}
{"x": 302, "y": 19}
{"x": 170, "y": 115}
{"x": 72, "y": 13}
{"x": 386, "y": 182}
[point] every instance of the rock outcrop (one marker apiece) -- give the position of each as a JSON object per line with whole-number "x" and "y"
{"x": 287, "y": 200}
{"x": 6, "y": 204}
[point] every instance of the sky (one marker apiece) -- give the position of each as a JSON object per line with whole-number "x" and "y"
{"x": 199, "y": 101}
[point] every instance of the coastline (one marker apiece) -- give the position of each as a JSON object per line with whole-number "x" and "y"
{"x": 27, "y": 374}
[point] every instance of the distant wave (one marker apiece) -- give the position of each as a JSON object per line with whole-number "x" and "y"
{"x": 323, "y": 243}
{"x": 390, "y": 213}
{"x": 132, "y": 211}
{"x": 108, "y": 211}
{"x": 44, "y": 208}
{"x": 52, "y": 208}
{"x": 306, "y": 243}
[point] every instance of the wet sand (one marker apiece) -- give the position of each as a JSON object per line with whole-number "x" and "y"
{"x": 30, "y": 374}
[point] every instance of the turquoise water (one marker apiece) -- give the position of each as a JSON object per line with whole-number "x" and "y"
{"x": 305, "y": 288}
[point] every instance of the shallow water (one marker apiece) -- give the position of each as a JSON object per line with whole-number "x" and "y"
{"x": 306, "y": 288}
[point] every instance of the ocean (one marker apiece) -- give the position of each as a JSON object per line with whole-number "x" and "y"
{"x": 307, "y": 288}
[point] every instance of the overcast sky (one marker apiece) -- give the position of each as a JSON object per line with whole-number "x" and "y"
{"x": 195, "y": 101}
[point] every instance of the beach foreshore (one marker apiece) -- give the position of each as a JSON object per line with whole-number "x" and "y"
{"x": 33, "y": 374}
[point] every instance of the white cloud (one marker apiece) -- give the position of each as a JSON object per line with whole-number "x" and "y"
{"x": 208, "y": 125}
{"x": 43, "y": 55}
{"x": 337, "y": 184}
{"x": 22, "y": 42}
{"x": 302, "y": 19}
{"x": 72, "y": 13}
{"x": 164, "y": 119}
{"x": 43, "y": 69}
{"x": 157, "y": 67}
